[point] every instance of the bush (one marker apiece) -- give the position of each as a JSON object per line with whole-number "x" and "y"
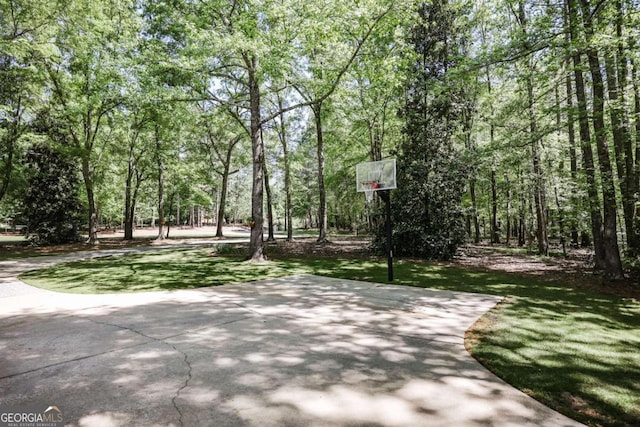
{"x": 51, "y": 205}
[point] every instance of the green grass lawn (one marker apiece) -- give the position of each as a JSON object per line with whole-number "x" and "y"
{"x": 575, "y": 350}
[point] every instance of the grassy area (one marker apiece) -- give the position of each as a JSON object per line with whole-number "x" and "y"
{"x": 575, "y": 350}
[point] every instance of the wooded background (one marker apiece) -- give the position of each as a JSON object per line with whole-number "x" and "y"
{"x": 515, "y": 121}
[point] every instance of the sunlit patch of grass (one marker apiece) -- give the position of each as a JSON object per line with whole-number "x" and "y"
{"x": 575, "y": 350}
{"x": 151, "y": 271}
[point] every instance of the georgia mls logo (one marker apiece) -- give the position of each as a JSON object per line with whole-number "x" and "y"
{"x": 31, "y": 416}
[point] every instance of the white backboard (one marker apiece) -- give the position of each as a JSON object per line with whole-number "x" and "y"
{"x": 380, "y": 175}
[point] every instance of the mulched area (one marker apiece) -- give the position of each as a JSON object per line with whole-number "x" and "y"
{"x": 350, "y": 247}
{"x": 576, "y": 269}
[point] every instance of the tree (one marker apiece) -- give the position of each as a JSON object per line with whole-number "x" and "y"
{"x": 427, "y": 207}
{"x": 84, "y": 81}
{"x": 219, "y": 142}
{"x": 136, "y": 171}
{"x": 327, "y": 73}
{"x": 611, "y": 253}
{"x": 23, "y": 45}
{"x": 51, "y": 205}
{"x": 534, "y": 136}
{"x": 616, "y": 63}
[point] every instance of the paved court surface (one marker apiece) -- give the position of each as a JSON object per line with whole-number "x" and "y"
{"x": 296, "y": 351}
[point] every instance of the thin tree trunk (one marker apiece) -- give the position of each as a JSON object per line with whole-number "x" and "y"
{"x": 267, "y": 187}
{"x": 93, "y": 214}
{"x": 508, "y": 208}
{"x": 288, "y": 217}
{"x": 129, "y": 199}
{"x": 538, "y": 191}
{"x": 128, "y": 211}
{"x": 572, "y": 157}
{"x": 322, "y": 209}
{"x": 495, "y": 233}
{"x": 538, "y": 188}
{"x": 474, "y": 207}
{"x": 177, "y": 212}
{"x": 522, "y": 223}
{"x": 223, "y": 198}
{"x": 467, "y": 124}
{"x": 560, "y": 171}
{"x": 160, "y": 185}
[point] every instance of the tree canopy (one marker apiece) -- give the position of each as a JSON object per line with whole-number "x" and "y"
{"x": 513, "y": 121}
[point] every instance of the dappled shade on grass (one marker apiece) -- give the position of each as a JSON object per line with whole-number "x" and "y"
{"x": 575, "y": 350}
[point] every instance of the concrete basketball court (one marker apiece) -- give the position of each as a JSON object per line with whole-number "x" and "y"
{"x": 295, "y": 351}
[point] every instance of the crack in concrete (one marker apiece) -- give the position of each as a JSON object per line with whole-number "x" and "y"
{"x": 77, "y": 359}
{"x": 186, "y": 383}
{"x": 162, "y": 341}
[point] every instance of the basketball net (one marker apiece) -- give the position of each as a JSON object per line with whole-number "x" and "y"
{"x": 369, "y": 188}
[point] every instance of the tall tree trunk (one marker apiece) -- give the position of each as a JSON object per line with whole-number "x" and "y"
{"x": 93, "y": 212}
{"x": 560, "y": 171}
{"x": 375, "y": 141}
{"x": 322, "y": 209}
{"x": 256, "y": 241}
{"x": 177, "y": 211}
{"x": 508, "y": 208}
{"x": 538, "y": 187}
{"x": 288, "y": 216}
{"x": 585, "y": 143}
{"x": 158, "y": 153}
{"x": 267, "y": 187}
{"x": 472, "y": 179}
{"x": 613, "y": 264}
{"x": 129, "y": 198}
{"x": 128, "y": 211}
{"x": 495, "y": 233}
{"x": 522, "y": 223}
{"x": 538, "y": 190}
{"x": 631, "y": 177}
{"x": 635, "y": 76}
{"x": 622, "y": 148}
{"x": 474, "y": 207}
{"x": 287, "y": 185}
{"x": 223, "y": 196}
{"x": 573, "y": 159}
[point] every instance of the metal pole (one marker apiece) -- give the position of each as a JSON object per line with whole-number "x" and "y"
{"x": 386, "y": 196}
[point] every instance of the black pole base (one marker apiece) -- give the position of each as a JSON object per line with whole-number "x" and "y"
{"x": 386, "y": 196}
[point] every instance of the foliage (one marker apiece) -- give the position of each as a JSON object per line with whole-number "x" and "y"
{"x": 427, "y": 212}
{"x": 51, "y": 205}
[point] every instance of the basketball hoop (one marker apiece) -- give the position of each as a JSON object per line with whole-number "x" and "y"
{"x": 379, "y": 176}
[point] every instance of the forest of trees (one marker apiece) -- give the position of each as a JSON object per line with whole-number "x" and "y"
{"x": 519, "y": 118}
